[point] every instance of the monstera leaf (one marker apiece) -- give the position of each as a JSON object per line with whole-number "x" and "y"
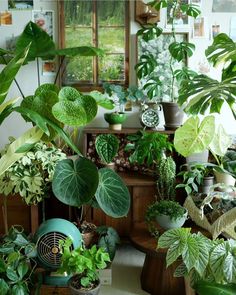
{"x": 203, "y": 92}
{"x": 146, "y": 65}
{"x": 193, "y": 136}
{"x": 112, "y": 194}
{"x": 222, "y": 50}
{"x": 149, "y": 32}
{"x": 107, "y": 146}
{"x": 75, "y": 182}
{"x": 208, "y": 288}
{"x": 179, "y": 50}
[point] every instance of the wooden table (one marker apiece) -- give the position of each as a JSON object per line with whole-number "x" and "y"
{"x": 156, "y": 279}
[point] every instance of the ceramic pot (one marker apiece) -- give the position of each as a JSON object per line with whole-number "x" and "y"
{"x": 115, "y": 120}
{"x": 173, "y": 115}
{"x": 74, "y": 291}
{"x": 208, "y": 181}
{"x": 198, "y": 157}
{"x": 167, "y": 223}
{"x": 225, "y": 178}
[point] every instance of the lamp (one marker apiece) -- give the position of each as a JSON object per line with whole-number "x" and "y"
{"x": 145, "y": 14}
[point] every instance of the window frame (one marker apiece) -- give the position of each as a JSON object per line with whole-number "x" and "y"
{"x": 95, "y": 85}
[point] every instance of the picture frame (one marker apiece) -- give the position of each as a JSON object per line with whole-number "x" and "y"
{"x": 5, "y": 18}
{"x": 199, "y": 27}
{"x": 224, "y": 6}
{"x": 215, "y": 30}
{"x": 181, "y": 21}
{"x": 45, "y": 20}
{"x": 20, "y": 4}
{"x": 158, "y": 47}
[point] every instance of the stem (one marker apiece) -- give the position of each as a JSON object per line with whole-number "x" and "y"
{"x": 4, "y": 213}
{"x": 171, "y": 60}
{"x": 37, "y": 59}
{"x": 18, "y": 86}
{"x": 43, "y": 210}
{"x": 59, "y": 68}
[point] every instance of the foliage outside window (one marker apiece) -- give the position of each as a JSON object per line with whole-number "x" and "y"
{"x": 101, "y": 24}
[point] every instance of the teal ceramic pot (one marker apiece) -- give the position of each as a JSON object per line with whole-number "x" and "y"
{"x": 115, "y": 120}
{"x": 167, "y": 223}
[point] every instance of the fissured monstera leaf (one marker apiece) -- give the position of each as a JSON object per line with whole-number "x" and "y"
{"x": 112, "y": 194}
{"x": 75, "y": 182}
{"x": 107, "y": 147}
{"x": 41, "y": 42}
{"x": 193, "y": 136}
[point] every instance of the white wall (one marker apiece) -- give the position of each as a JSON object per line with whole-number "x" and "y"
{"x": 27, "y": 76}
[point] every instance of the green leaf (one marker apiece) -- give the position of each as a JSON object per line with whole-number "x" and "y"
{"x": 75, "y": 183}
{"x": 221, "y": 142}
{"x": 107, "y": 146}
{"x": 208, "y": 288}
{"x": 191, "y": 9}
{"x": 2, "y": 265}
{"x": 181, "y": 271}
{"x": 102, "y": 100}
{"x": 69, "y": 93}
{"x": 13, "y": 256}
{"x": 9, "y": 72}
{"x": 149, "y": 32}
{"x": 70, "y": 113}
{"x": 40, "y": 42}
{"x": 108, "y": 245}
{"x": 181, "y": 50}
{"x": 31, "y": 136}
{"x": 174, "y": 251}
{"x": 202, "y": 92}
{"x": 172, "y": 236}
{"x": 3, "y": 287}
{"x": 20, "y": 289}
{"x": 217, "y": 260}
{"x": 146, "y": 65}
{"x": 11, "y": 274}
{"x": 75, "y": 51}
{"x": 112, "y": 194}
{"x": 191, "y": 253}
{"x": 45, "y": 88}
{"x": 22, "y": 269}
{"x": 222, "y": 50}
{"x": 90, "y": 106}
{"x": 193, "y": 136}
{"x": 159, "y": 4}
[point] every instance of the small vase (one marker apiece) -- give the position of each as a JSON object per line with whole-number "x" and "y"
{"x": 115, "y": 120}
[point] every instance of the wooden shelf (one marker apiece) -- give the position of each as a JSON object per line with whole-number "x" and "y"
{"x": 98, "y": 130}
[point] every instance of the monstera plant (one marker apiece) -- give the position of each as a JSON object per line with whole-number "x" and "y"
{"x": 202, "y": 92}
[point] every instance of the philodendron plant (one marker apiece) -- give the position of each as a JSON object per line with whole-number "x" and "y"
{"x": 107, "y": 146}
{"x": 203, "y": 93}
{"x": 210, "y": 264}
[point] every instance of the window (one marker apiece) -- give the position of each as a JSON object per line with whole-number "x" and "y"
{"x": 102, "y": 24}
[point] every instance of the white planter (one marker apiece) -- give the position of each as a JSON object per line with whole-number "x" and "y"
{"x": 167, "y": 223}
{"x": 225, "y": 178}
{"x": 198, "y": 157}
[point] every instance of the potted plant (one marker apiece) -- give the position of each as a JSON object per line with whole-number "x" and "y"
{"x": 17, "y": 253}
{"x": 175, "y": 55}
{"x": 31, "y": 176}
{"x": 120, "y": 96}
{"x": 88, "y": 231}
{"x": 147, "y": 147}
{"x": 83, "y": 265}
{"x": 197, "y": 178}
{"x": 107, "y": 146}
{"x": 208, "y": 263}
{"x": 167, "y": 213}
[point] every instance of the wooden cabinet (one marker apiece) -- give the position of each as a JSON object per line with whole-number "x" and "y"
{"x": 142, "y": 187}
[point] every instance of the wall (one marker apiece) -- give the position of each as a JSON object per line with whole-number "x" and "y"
{"x": 27, "y": 77}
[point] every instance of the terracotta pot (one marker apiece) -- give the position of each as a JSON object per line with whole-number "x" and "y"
{"x": 173, "y": 115}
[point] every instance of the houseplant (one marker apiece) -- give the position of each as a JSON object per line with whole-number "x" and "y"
{"x": 198, "y": 177}
{"x": 83, "y": 265}
{"x": 167, "y": 212}
{"x": 107, "y": 146}
{"x": 120, "y": 96}
{"x": 152, "y": 70}
{"x": 17, "y": 254}
{"x": 208, "y": 263}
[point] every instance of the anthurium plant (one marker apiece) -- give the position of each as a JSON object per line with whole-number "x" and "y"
{"x": 210, "y": 264}
{"x": 107, "y": 146}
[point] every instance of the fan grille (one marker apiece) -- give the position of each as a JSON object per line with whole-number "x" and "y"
{"x": 48, "y": 249}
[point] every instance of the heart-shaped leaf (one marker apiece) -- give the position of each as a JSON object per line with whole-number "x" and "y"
{"x": 221, "y": 142}
{"x": 90, "y": 106}
{"x": 69, "y": 93}
{"x": 112, "y": 194}
{"x": 107, "y": 146}
{"x": 193, "y": 136}
{"x": 75, "y": 183}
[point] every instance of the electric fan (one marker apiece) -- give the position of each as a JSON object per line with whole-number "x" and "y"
{"x": 47, "y": 240}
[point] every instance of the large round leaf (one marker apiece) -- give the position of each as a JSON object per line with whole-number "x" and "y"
{"x": 46, "y": 87}
{"x": 70, "y": 113}
{"x": 90, "y": 106}
{"x": 75, "y": 182}
{"x": 69, "y": 93}
{"x": 112, "y": 194}
{"x": 193, "y": 136}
